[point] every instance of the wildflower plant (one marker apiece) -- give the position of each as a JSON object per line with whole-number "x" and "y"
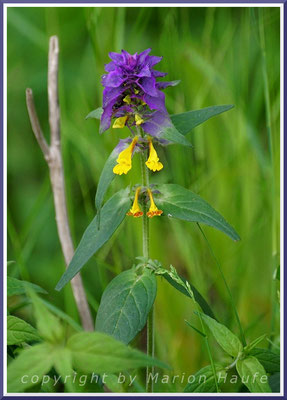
{"x": 133, "y": 97}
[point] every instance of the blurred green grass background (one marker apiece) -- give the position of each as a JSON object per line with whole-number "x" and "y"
{"x": 222, "y": 56}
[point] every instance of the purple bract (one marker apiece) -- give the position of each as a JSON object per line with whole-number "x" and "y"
{"x": 131, "y": 88}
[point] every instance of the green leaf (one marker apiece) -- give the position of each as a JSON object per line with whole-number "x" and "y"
{"x": 112, "y": 383}
{"x": 254, "y": 343}
{"x": 253, "y": 375}
{"x": 63, "y": 316}
{"x": 48, "y": 325}
{"x": 181, "y": 203}
{"x": 194, "y": 328}
{"x": 186, "y": 121}
{"x": 274, "y": 382}
{"x": 171, "y": 134}
{"x": 64, "y": 366}
{"x": 19, "y": 331}
{"x": 112, "y": 214}
{"x": 269, "y": 359}
{"x": 97, "y": 113}
{"x": 197, "y": 296}
{"x": 203, "y": 381}
{"x": 36, "y": 360}
{"x": 224, "y": 337}
{"x": 17, "y": 287}
{"x": 125, "y": 304}
{"x": 106, "y": 178}
{"x": 100, "y": 353}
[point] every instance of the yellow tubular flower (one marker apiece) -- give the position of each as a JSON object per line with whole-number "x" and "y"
{"x": 124, "y": 159}
{"x": 153, "y": 162}
{"x": 120, "y": 122}
{"x": 138, "y": 120}
{"x": 153, "y": 210}
{"x": 135, "y": 211}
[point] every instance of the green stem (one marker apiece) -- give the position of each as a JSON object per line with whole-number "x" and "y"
{"x": 272, "y": 183}
{"x": 208, "y": 348}
{"x": 226, "y": 286}
{"x": 145, "y": 228}
{"x": 150, "y": 320}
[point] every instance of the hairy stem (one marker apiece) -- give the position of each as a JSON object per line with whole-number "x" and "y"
{"x": 150, "y": 321}
{"x": 226, "y": 286}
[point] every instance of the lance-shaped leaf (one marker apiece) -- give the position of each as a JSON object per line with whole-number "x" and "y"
{"x": 97, "y": 113}
{"x": 186, "y": 121}
{"x": 253, "y": 375}
{"x": 197, "y": 296}
{"x": 126, "y": 303}
{"x": 96, "y": 352}
{"x": 19, "y": 331}
{"x": 224, "y": 337}
{"x": 203, "y": 381}
{"x": 171, "y": 134}
{"x": 108, "y": 175}
{"x": 181, "y": 203}
{"x": 17, "y": 287}
{"x": 106, "y": 179}
{"x": 112, "y": 214}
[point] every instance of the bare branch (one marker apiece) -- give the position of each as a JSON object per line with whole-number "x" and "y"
{"x": 53, "y": 157}
{"x": 36, "y": 124}
{"x": 53, "y": 99}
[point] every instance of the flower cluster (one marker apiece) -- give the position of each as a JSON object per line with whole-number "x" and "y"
{"x": 133, "y": 98}
{"x": 132, "y": 95}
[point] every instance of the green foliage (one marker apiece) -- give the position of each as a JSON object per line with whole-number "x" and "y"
{"x": 95, "y": 237}
{"x": 17, "y": 287}
{"x": 234, "y": 162}
{"x": 274, "y": 382}
{"x": 254, "y": 343}
{"x": 35, "y": 360}
{"x": 87, "y": 352}
{"x": 172, "y": 135}
{"x": 204, "y": 380}
{"x": 178, "y": 202}
{"x": 182, "y": 289}
{"x": 19, "y": 331}
{"x": 95, "y": 113}
{"x": 188, "y": 120}
{"x": 105, "y": 180}
{"x": 253, "y": 375}
{"x": 224, "y": 337}
{"x": 126, "y": 303}
{"x": 112, "y": 383}
{"x": 269, "y": 359}
{"x": 98, "y": 352}
{"x": 48, "y": 325}
{"x": 64, "y": 366}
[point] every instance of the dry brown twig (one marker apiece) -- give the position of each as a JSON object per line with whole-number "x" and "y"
{"x": 53, "y": 157}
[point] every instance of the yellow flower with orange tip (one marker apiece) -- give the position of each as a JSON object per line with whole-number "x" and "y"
{"x": 153, "y": 162}
{"x": 153, "y": 210}
{"x": 135, "y": 211}
{"x": 124, "y": 159}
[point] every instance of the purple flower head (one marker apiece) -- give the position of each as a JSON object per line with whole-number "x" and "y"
{"x": 131, "y": 90}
